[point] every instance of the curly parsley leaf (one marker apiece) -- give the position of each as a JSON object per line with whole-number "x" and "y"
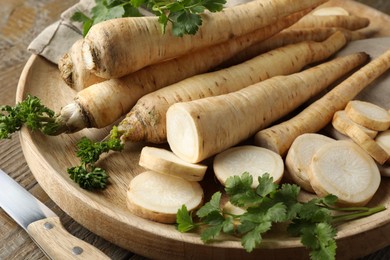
{"x": 29, "y": 112}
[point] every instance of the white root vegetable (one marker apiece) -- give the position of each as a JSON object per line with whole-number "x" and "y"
{"x": 117, "y": 47}
{"x": 103, "y": 103}
{"x": 368, "y": 115}
{"x": 341, "y": 121}
{"x": 317, "y": 115}
{"x": 158, "y": 197}
{"x": 367, "y": 143}
{"x": 343, "y": 169}
{"x": 350, "y": 22}
{"x": 252, "y": 159}
{"x": 165, "y": 162}
{"x": 299, "y": 157}
{"x": 147, "y": 119}
{"x": 383, "y": 139}
{"x": 201, "y": 128}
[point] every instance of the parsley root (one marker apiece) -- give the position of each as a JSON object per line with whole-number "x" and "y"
{"x": 317, "y": 115}
{"x": 349, "y": 22}
{"x": 201, "y": 128}
{"x": 103, "y": 103}
{"x": 147, "y": 119}
{"x": 117, "y": 47}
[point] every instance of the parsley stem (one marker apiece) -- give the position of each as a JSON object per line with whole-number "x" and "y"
{"x": 364, "y": 213}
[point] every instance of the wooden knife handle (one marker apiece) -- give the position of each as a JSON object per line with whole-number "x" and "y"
{"x": 57, "y": 243}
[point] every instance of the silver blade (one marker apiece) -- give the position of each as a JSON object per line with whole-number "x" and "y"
{"x": 19, "y": 204}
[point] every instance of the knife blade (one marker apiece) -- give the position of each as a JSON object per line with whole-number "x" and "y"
{"x": 42, "y": 224}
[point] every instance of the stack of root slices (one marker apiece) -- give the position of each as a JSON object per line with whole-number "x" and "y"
{"x": 166, "y": 185}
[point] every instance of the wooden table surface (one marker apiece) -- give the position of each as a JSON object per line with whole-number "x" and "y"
{"x": 20, "y": 22}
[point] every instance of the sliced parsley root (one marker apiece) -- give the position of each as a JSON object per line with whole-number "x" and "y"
{"x": 87, "y": 175}
{"x": 265, "y": 205}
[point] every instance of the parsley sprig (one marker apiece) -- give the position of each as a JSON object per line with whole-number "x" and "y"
{"x": 87, "y": 174}
{"x": 29, "y": 112}
{"x": 184, "y": 15}
{"x": 267, "y": 204}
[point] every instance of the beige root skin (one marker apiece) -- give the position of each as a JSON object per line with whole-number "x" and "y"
{"x": 292, "y": 36}
{"x": 128, "y": 38}
{"x": 73, "y": 70}
{"x": 349, "y": 22}
{"x": 147, "y": 119}
{"x": 316, "y": 116}
{"x": 343, "y": 169}
{"x": 201, "y": 128}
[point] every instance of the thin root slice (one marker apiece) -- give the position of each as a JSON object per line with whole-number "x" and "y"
{"x": 343, "y": 169}
{"x": 368, "y": 114}
{"x": 383, "y": 140}
{"x": 166, "y": 162}
{"x": 341, "y": 121}
{"x": 252, "y": 159}
{"x": 158, "y": 197}
{"x": 367, "y": 143}
{"x": 299, "y": 157}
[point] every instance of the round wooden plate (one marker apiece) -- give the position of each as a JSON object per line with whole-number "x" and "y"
{"x": 105, "y": 212}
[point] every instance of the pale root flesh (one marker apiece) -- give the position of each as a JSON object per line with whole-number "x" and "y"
{"x": 158, "y": 197}
{"x": 165, "y": 162}
{"x": 383, "y": 139}
{"x": 104, "y": 103}
{"x": 317, "y": 115}
{"x": 147, "y": 119}
{"x": 368, "y": 115}
{"x": 201, "y": 128}
{"x": 343, "y": 169}
{"x": 350, "y": 22}
{"x": 252, "y": 159}
{"x": 299, "y": 157}
{"x": 367, "y": 143}
{"x": 117, "y": 47}
{"x": 73, "y": 70}
{"x": 341, "y": 122}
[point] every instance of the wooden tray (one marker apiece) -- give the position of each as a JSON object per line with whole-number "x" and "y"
{"x": 105, "y": 212}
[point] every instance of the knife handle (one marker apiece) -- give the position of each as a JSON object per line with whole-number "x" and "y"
{"x": 57, "y": 243}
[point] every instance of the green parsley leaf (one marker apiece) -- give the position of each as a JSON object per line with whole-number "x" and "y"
{"x": 184, "y": 220}
{"x": 211, "y": 206}
{"x": 94, "y": 178}
{"x": 240, "y": 191}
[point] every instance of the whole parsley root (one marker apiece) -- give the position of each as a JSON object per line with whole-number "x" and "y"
{"x": 202, "y": 128}
{"x": 265, "y": 205}
{"x": 146, "y": 121}
{"x": 117, "y": 47}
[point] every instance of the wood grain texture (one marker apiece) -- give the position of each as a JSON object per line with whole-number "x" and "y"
{"x": 20, "y": 22}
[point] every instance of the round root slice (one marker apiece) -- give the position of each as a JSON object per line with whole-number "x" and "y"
{"x": 299, "y": 157}
{"x": 343, "y": 169}
{"x": 333, "y": 10}
{"x": 368, "y": 114}
{"x": 341, "y": 121}
{"x": 383, "y": 139}
{"x": 367, "y": 143}
{"x": 158, "y": 197}
{"x": 166, "y": 162}
{"x": 252, "y": 159}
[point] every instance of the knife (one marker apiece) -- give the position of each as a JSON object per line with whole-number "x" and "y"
{"x": 42, "y": 224}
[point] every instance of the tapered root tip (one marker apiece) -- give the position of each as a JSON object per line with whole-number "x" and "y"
{"x": 132, "y": 129}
